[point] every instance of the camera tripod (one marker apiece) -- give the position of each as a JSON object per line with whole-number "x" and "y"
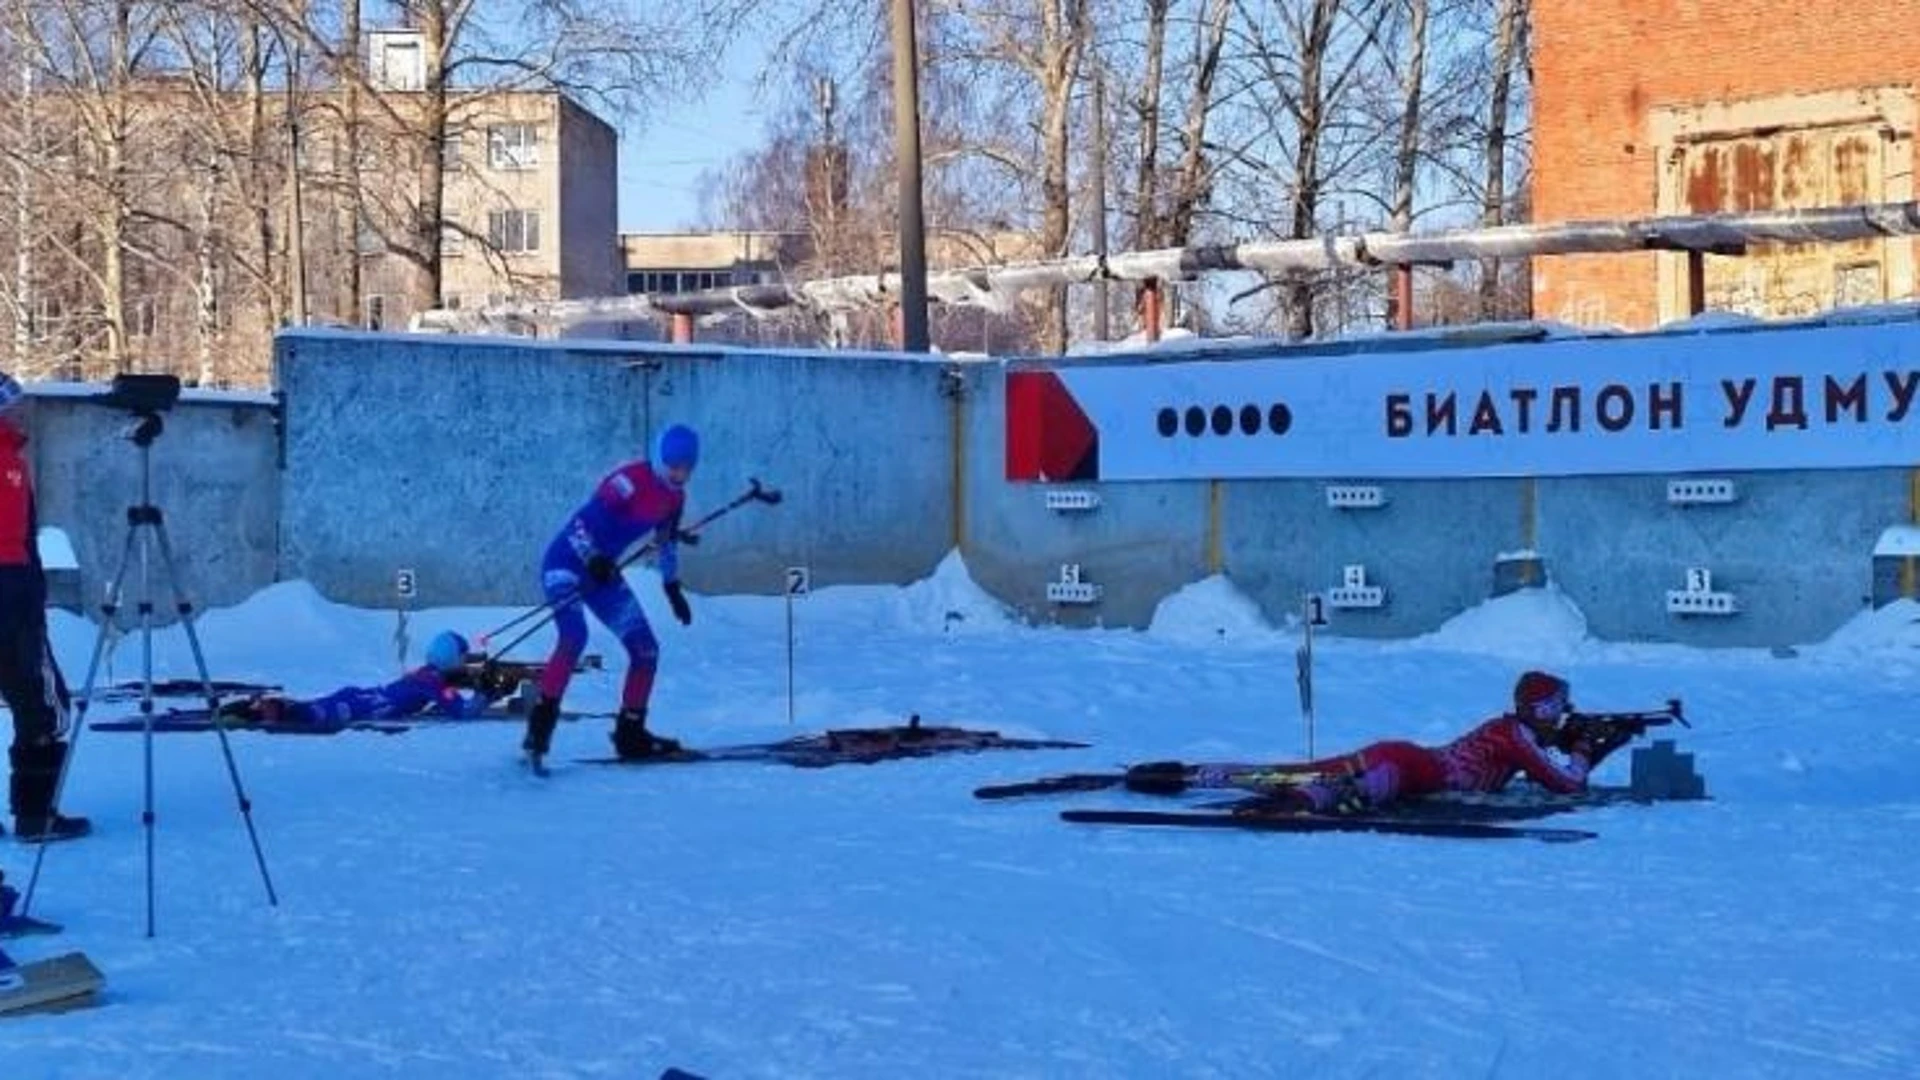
{"x": 146, "y": 532}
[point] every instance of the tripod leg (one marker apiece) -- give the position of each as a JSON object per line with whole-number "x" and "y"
{"x": 185, "y": 610}
{"x": 107, "y": 612}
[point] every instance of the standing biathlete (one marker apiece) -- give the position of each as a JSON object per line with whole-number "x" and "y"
{"x": 581, "y": 570}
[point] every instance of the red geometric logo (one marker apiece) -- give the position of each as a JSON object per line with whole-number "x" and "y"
{"x": 1049, "y": 438}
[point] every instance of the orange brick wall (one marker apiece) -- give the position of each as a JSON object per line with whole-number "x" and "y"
{"x": 1601, "y": 65}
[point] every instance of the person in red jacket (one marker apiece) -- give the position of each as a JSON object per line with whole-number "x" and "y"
{"x": 1526, "y": 740}
{"x": 30, "y": 681}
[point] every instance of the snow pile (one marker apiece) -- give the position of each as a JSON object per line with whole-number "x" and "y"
{"x": 947, "y": 601}
{"x": 1536, "y": 625}
{"x": 1894, "y": 629}
{"x": 1210, "y": 610}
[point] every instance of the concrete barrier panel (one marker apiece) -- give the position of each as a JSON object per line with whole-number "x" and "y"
{"x": 1794, "y": 549}
{"x": 1430, "y": 547}
{"x": 214, "y": 480}
{"x": 461, "y": 457}
{"x": 1144, "y": 541}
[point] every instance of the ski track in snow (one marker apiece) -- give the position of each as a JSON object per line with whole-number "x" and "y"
{"x": 445, "y": 914}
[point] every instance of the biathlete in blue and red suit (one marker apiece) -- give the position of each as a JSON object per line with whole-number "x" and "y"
{"x": 433, "y": 688}
{"x": 581, "y": 570}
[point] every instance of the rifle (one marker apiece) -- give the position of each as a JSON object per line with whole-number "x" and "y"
{"x": 501, "y": 678}
{"x": 1610, "y": 729}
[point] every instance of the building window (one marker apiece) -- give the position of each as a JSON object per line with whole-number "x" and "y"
{"x": 401, "y": 67}
{"x": 376, "y": 312}
{"x": 514, "y": 231}
{"x": 450, "y": 152}
{"x": 453, "y": 242}
{"x": 367, "y": 239}
{"x": 513, "y": 146}
{"x": 142, "y": 317}
{"x": 1857, "y": 283}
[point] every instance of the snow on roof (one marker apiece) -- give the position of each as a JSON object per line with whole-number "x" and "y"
{"x": 1899, "y": 540}
{"x": 599, "y": 345}
{"x": 189, "y": 395}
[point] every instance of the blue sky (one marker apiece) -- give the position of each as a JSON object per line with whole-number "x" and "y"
{"x": 661, "y": 162}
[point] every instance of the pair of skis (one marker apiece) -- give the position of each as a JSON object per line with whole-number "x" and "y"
{"x": 1263, "y": 814}
{"x": 841, "y": 746}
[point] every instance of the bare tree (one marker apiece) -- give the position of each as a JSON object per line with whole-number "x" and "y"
{"x": 1509, "y": 33}
{"x": 1298, "y": 125}
{"x": 605, "y": 52}
{"x": 1146, "y": 212}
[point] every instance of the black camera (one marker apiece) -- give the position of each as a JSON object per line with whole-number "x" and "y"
{"x": 142, "y": 393}
{"x": 146, "y": 397}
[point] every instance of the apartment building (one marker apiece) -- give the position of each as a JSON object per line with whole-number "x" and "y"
{"x": 235, "y": 213}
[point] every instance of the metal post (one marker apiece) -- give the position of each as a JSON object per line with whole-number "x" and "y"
{"x": 1402, "y": 274}
{"x": 906, "y": 137}
{"x": 789, "y": 657}
{"x": 1696, "y": 282}
{"x": 297, "y": 230}
{"x": 1150, "y": 309}
{"x": 682, "y": 328}
{"x": 1303, "y": 664}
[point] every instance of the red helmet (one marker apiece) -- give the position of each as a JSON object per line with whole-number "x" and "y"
{"x": 1542, "y": 697}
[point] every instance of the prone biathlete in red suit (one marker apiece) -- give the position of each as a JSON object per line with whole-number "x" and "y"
{"x": 1484, "y": 759}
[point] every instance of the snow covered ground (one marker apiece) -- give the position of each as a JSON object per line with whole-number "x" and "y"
{"x": 443, "y": 914}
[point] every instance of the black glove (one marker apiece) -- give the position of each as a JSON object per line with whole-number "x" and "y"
{"x": 687, "y": 538}
{"x": 678, "y": 600}
{"x": 602, "y": 569}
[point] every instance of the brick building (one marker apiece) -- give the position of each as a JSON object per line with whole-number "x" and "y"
{"x": 1645, "y": 107}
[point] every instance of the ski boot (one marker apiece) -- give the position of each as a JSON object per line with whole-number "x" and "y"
{"x": 252, "y": 712}
{"x": 632, "y": 741}
{"x": 542, "y": 718}
{"x": 1159, "y": 778}
{"x": 52, "y": 829}
{"x": 36, "y": 771}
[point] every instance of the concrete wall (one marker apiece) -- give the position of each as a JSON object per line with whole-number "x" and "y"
{"x": 460, "y": 459}
{"x": 1795, "y": 549}
{"x": 214, "y": 479}
{"x": 1144, "y": 542}
{"x": 1431, "y": 547}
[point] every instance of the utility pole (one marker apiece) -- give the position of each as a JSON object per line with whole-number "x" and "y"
{"x": 826, "y": 169}
{"x": 1100, "y": 309}
{"x": 906, "y": 138}
{"x": 297, "y": 231}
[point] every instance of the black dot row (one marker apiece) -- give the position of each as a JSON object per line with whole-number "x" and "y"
{"x": 1196, "y": 420}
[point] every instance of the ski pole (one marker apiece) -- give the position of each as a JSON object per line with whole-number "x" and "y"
{"x": 755, "y": 492}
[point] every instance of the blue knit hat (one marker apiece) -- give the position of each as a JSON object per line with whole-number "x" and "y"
{"x": 679, "y": 448}
{"x": 11, "y": 392}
